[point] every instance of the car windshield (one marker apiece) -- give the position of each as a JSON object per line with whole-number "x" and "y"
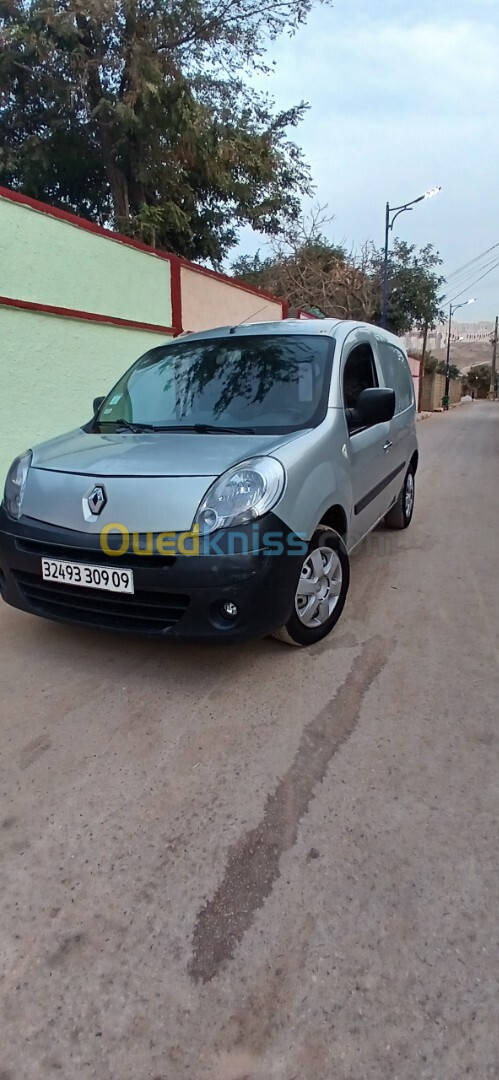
{"x": 268, "y": 384}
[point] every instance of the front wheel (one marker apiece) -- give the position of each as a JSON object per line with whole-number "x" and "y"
{"x": 400, "y": 515}
{"x": 321, "y": 591}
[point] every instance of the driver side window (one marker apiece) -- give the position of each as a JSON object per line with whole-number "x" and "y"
{"x": 359, "y": 373}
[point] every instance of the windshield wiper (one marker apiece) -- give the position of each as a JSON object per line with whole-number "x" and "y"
{"x": 200, "y": 429}
{"x": 125, "y": 425}
{"x": 213, "y": 429}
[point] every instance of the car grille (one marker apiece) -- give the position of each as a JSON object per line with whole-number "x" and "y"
{"x": 91, "y": 554}
{"x": 144, "y": 612}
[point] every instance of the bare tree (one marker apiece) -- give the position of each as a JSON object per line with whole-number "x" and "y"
{"x": 312, "y": 272}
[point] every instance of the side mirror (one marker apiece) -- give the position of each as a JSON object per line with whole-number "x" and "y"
{"x": 97, "y": 403}
{"x": 375, "y": 406}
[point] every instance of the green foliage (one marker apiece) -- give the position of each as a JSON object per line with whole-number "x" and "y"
{"x": 430, "y": 363}
{"x": 454, "y": 371}
{"x": 414, "y": 286}
{"x": 478, "y": 377}
{"x": 433, "y": 364}
{"x": 135, "y": 112}
{"x": 255, "y": 271}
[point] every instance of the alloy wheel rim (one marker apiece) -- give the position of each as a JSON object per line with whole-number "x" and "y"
{"x": 319, "y": 587}
{"x": 409, "y": 495}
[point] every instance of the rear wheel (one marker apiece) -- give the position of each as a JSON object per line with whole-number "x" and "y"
{"x": 400, "y": 515}
{"x": 321, "y": 592}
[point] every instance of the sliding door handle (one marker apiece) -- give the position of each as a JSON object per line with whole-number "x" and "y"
{"x": 388, "y": 445}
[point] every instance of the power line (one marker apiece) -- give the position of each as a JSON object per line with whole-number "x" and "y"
{"x": 466, "y": 281}
{"x": 472, "y": 271}
{"x": 456, "y": 273}
{"x": 470, "y": 286}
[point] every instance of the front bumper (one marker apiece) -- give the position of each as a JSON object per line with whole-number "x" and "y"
{"x": 178, "y": 596}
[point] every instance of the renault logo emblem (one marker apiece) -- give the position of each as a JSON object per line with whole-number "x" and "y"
{"x": 97, "y": 499}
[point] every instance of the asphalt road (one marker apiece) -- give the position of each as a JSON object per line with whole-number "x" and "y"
{"x": 266, "y": 863}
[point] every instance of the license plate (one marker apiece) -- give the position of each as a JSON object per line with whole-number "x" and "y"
{"x": 87, "y": 576}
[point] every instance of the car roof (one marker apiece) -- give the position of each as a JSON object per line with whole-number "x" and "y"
{"x": 303, "y": 327}
{"x": 284, "y": 326}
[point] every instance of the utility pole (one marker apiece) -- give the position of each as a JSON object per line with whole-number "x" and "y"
{"x": 492, "y": 390}
{"x": 447, "y": 364}
{"x": 384, "y": 301}
{"x": 452, "y": 309}
{"x": 421, "y": 367}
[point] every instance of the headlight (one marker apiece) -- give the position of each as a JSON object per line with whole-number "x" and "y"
{"x": 16, "y": 483}
{"x": 242, "y": 494}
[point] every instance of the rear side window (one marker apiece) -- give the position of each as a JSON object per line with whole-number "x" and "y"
{"x": 397, "y": 375}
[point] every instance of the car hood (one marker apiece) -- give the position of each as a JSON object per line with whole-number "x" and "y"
{"x": 150, "y": 454}
{"x": 151, "y": 482}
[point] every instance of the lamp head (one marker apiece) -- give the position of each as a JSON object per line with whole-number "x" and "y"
{"x": 430, "y": 194}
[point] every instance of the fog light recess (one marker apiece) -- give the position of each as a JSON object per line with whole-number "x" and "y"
{"x": 229, "y": 610}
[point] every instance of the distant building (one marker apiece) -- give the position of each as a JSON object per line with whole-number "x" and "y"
{"x": 437, "y": 339}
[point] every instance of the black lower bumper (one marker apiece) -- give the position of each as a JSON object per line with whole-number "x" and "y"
{"x": 179, "y": 596}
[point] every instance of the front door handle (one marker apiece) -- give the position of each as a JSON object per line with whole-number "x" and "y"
{"x": 388, "y": 445}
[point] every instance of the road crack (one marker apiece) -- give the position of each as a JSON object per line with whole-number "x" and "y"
{"x": 253, "y": 862}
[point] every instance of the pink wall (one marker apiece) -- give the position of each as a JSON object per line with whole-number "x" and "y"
{"x": 210, "y": 300}
{"x": 415, "y": 365}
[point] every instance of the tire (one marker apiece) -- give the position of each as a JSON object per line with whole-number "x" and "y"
{"x": 400, "y": 515}
{"x": 307, "y": 623}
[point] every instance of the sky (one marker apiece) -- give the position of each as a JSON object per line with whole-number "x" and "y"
{"x": 402, "y": 98}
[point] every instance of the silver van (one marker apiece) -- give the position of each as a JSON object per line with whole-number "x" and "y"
{"x": 219, "y": 488}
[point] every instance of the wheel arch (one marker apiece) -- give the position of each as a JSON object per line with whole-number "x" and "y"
{"x": 335, "y": 517}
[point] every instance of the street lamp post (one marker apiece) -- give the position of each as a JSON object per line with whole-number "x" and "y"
{"x": 452, "y": 308}
{"x": 493, "y": 370}
{"x": 389, "y": 223}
